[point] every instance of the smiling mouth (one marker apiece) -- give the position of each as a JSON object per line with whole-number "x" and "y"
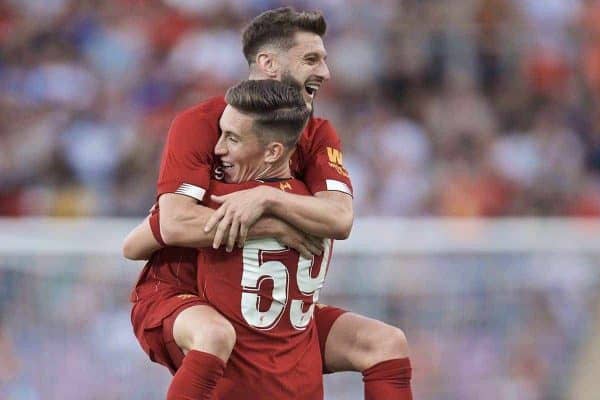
{"x": 226, "y": 165}
{"x": 312, "y": 88}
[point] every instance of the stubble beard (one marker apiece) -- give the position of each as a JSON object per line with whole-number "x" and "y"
{"x": 288, "y": 79}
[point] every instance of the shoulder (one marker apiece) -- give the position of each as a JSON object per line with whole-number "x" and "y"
{"x": 319, "y": 126}
{"x": 318, "y": 130}
{"x": 199, "y": 121}
{"x": 293, "y": 185}
{"x": 318, "y": 136}
{"x": 299, "y": 187}
{"x": 206, "y": 113}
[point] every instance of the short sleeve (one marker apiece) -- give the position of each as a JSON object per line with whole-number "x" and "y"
{"x": 324, "y": 168}
{"x": 187, "y": 158}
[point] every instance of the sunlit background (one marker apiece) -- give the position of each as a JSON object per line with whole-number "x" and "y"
{"x": 446, "y": 108}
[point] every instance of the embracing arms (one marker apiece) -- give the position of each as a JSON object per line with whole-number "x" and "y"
{"x": 327, "y": 214}
{"x": 182, "y": 221}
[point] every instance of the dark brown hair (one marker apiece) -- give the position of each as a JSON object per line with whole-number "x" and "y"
{"x": 277, "y": 27}
{"x": 278, "y": 109}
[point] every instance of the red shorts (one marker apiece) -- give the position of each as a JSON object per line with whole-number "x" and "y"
{"x": 325, "y": 316}
{"x": 153, "y": 319}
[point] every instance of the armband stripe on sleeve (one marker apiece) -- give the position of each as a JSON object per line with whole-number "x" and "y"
{"x": 192, "y": 191}
{"x": 337, "y": 186}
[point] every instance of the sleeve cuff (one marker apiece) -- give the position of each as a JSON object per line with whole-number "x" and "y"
{"x": 193, "y": 191}
{"x": 155, "y": 227}
{"x": 338, "y": 186}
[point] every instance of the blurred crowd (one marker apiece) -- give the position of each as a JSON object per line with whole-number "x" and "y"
{"x": 453, "y": 108}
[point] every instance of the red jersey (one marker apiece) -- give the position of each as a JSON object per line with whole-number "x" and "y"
{"x": 268, "y": 292}
{"x": 188, "y": 163}
{"x": 188, "y": 157}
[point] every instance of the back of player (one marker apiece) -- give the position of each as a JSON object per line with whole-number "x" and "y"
{"x": 267, "y": 291}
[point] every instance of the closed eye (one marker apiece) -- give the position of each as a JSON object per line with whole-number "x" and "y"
{"x": 229, "y": 136}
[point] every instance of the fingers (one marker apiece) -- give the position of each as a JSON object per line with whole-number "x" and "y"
{"x": 312, "y": 244}
{"x": 221, "y": 231}
{"x": 314, "y": 249}
{"x": 243, "y": 234}
{"x": 317, "y": 242}
{"x": 218, "y": 199}
{"x": 233, "y": 234}
{"x": 302, "y": 245}
{"x": 215, "y": 218}
{"x": 302, "y": 249}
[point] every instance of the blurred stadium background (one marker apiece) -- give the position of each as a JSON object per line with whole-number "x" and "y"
{"x": 471, "y": 130}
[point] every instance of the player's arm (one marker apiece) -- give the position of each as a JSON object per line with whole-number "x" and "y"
{"x": 144, "y": 239}
{"x": 168, "y": 228}
{"x": 181, "y": 219}
{"x": 327, "y": 214}
{"x": 184, "y": 223}
{"x": 139, "y": 244}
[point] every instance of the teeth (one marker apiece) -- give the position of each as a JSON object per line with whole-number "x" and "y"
{"x": 312, "y": 88}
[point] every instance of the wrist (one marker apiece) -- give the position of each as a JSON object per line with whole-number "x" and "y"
{"x": 272, "y": 199}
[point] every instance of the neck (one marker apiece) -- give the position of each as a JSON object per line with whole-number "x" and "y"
{"x": 256, "y": 74}
{"x": 279, "y": 171}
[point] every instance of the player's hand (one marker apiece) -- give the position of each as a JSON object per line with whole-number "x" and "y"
{"x": 307, "y": 245}
{"x": 237, "y": 213}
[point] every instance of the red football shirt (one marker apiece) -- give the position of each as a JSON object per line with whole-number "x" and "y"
{"x": 268, "y": 292}
{"x": 188, "y": 157}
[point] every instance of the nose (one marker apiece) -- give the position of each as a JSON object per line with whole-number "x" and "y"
{"x": 324, "y": 71}
{"x": 220, "y": 148}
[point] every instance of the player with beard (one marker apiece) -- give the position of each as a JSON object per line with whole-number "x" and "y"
{"x": 278, "y": 44}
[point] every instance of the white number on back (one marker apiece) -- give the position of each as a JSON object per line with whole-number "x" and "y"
{"x": 256, "y": 271}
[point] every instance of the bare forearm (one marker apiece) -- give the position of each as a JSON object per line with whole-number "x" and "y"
{"x": 185, "y": 227}
{"x": 192, "y": 231}
{"x": 140, "y": 243}
{"x": 327, "y": 216}
{"x": 182, "y": 223}
{"x": 265, "y": 227}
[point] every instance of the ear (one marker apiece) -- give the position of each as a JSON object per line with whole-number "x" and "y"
{"x": 274, "y": 152}
{"x": 268, "y": 64}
